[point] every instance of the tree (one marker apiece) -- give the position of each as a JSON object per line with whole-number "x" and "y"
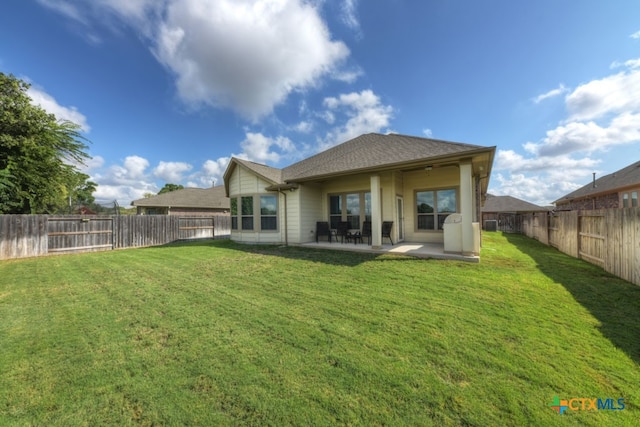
{"x": 170, "y": 187}
{"x": 40, "y": 153}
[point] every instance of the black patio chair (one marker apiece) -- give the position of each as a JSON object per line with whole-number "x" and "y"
{"x": 366, "y": 232}
{"x": 322, "y": 229}
{"x": 343, "y": 231}
{"x": 386, "y": 230}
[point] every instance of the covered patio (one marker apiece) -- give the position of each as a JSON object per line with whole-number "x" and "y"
{"x": 418, "y": 250}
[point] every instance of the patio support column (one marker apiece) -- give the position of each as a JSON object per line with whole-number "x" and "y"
{"x": 466, "y": 207}
{"x": 376, "y": 213}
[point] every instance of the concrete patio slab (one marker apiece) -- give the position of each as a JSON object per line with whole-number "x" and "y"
{"x": 418, "y": 250}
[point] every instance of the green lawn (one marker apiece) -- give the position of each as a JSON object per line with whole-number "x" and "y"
{"x": 214, "y": 333}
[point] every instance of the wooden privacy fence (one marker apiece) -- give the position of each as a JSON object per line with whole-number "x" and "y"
{"x": 37, "y": 235}
{"x": 609, "y": 238}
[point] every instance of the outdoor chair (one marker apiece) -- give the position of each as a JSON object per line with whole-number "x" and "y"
{"x": 343, "y": 231}
{"x": 322, "y": 229}
{"x": 386, "y": 230}
{"x": 366, "y": 232}
{"x": 356, "y": 236}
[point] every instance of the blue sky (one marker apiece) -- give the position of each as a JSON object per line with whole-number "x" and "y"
{"x": 169, "y": 90}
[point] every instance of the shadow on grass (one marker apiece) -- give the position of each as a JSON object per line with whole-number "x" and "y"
{"x": 611, "y": 300}
{"x": 327, "y": 256}
{"x": 333, "y": 257}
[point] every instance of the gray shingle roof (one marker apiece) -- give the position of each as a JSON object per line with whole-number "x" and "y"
{"x": 374, "y": 150}
{"x": 271, "y": 174}
{"x": 509, "y": 204}
{"x": 625, "y": 177}
{"x": 206, "y": 198}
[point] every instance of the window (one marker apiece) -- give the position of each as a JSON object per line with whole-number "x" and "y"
{"x": 353, "y": 210}
{"x": 350, "y": 208}
{"x": 367, "y": 206}
{"x": 634, "y": 199}
{"x": 268, "y": 212}
{"x": 234, "y": 213}
{"x": 625, "y": 200}
{"x": 432, "y": 207}
{"x": 247, "y": 212}
{"x": 335, "y": 210}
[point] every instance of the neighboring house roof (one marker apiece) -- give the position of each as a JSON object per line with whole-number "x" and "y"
{"x": 374, "y": 151}
{"x": 204, "y": 198}
{"x": 370, "y": 152}
{"x": 625, "y": 177}
{"x": 509, "y": 204}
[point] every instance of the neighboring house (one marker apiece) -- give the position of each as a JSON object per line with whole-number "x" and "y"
{"x": 186, "y": 202}
{"x": 617, "y": 190}
{"x": 414, "y": 182}
{"x": 507, "y": 213}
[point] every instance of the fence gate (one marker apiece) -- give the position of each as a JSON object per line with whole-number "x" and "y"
{"x": 76, "y": 234}
{"x": 509, "y": 222}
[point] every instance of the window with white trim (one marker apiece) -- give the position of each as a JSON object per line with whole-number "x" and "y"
{"x": 234, "y": 213}
{"x": 246, "y": 206}
{"x": 433, "y": 206}
{"x": 354, "y": 208}
{"x": 268, "y": 212}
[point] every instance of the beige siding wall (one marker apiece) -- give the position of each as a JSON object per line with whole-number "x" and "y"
{"x": 310, "y": 210}
{"x": 422, "y": 180}
{"x": 243, "y": 182}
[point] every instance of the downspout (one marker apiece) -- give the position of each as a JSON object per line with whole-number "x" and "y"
{"x": 286, "y": 232}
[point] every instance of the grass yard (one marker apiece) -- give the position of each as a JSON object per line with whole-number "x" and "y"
{"x": 214, "y": 333}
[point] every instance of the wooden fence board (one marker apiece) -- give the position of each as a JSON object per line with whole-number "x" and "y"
{"x": 609, "y": 238}
{"x": 36, "y": 235}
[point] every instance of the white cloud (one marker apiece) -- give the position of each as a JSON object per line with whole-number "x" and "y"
{"x": 427, "y": 132}
{"x": 364, "y": 113}
{"x": 613, "y": 94}
{"x": 635, "y": 35}
{"x": 137, "y": 10}
{"x": 588, "y": 137}
{"x": 348, "y": 76}
{"x": 256, "y": 53}
{"x": 94, "y": 163}
{"x": 261, "y": 149}
{"x": 509, "y": 160}
{"x": 304, "y": 126}
{"x": 212, "y": 171}
{"x": 246, "y": 55}
{"x": 632, "y": 63}
{"x": 124, "y": 183}
{"x": 538, "y": 189}
{"x": 65, "y": 8}
{"x": 602, "y": 114}
{"x": 171, "y": 172}
{"x": 49, "y": 104}
{"x": 349, "y": 14}
{"x": 134, "y": 167}
{"x": 552, "y": 93}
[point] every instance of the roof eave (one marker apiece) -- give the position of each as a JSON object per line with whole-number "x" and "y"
{"x": 414, "y": 164}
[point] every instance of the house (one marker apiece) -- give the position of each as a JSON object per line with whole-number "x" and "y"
{"x": 186, "y": 202}
{"x": 413, "y": 182}
{"x": 616, "y": 190}
{"x": 504, "y": 213}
